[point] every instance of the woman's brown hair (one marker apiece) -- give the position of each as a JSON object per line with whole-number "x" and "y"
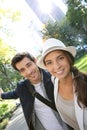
{"x": 80, "y": 82}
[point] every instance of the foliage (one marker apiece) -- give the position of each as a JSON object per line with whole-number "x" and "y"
{"x": 5, "y": 107}
{"x": 4, "y": 123}
{"x": 6, "y": 110}
{"x": 7, "y": 75}
{"x": 9, "y": 16}
{"x": 77, "y": 15}
{"x": 62, "y": 31}
{"x": 67, "y": 34}
{"x": 72, "y": 29}
{"x": 81, "y": 63}
{"x": 6, "y": 52}
{"x": 50, "y": 30}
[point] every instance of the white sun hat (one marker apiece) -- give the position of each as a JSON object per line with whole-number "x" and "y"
{"x": 50, "y": 45}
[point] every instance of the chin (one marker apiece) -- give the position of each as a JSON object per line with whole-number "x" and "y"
{"x": 60, "y": 77}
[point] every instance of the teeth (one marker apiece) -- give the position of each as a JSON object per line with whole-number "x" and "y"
{"x": 59, "y": 72}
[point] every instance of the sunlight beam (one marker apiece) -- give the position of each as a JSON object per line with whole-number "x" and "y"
{"x": 61, "y": 5}
{"x": 45, "y": 6}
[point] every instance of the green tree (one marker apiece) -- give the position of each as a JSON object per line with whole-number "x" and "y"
{"x": 8, "y": 76}
{"x": 77, "y": 15}
{"x": 62, "y": 31}
{"x": 8, "y": 17}
{"x": 72, "y": 29}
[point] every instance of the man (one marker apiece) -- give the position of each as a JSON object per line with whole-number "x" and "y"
{"x": 38, "y": 115}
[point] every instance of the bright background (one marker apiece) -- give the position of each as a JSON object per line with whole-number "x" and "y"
{"x": 27, "y": 35}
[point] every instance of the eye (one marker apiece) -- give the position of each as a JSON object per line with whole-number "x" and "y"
{"x": 21, "y": 70}
{"x": 61, "y": 58}
{"x": 48, "y": 63}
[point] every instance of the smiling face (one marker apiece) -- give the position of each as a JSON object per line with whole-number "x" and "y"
{"x": 29, "y": 70}
{"x": 57, "y": 64}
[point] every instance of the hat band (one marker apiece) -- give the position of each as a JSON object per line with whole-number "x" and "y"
{"x": 52, "y": 48}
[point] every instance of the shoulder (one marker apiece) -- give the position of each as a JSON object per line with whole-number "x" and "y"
{"x": 23, "y": 83}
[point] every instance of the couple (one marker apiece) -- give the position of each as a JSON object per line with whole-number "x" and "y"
{"x": 58, "y": 60}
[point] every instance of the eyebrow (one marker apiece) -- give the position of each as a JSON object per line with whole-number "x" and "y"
{"x": 56, "y": 57}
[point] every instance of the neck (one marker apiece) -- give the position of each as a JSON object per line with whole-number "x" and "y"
{"x": 66, "y": 88}
{"x": 66, "y": 81}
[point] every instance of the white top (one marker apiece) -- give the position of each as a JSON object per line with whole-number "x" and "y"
{"x": 44, "y": 113}
{"x": 67, "y": 110}
{"x": 80, "y": 113}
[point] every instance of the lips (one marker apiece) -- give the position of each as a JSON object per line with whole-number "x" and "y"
{"x": 60, "y": 72}
{"x": 33, "y": 76}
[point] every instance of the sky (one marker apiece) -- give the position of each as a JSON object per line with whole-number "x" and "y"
{"x": 26, "y": 36}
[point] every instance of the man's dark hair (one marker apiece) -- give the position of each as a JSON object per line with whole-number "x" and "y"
{"x": 19, "y": 56}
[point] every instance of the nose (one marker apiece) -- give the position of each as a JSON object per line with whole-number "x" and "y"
{"x": 57, "y": 65}
{"x": 28, "y": 71}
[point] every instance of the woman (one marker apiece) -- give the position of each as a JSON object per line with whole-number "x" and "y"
{"x": 70, "y": 85}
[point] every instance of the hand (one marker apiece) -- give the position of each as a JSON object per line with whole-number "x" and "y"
{"x": 1, "y": 91}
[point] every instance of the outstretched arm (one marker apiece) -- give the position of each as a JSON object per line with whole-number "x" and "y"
{"x": 1, "y": 91}
{"x": 9, "y": 95}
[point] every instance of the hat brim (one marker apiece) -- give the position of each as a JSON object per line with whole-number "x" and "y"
{"x": 70, "y": 49}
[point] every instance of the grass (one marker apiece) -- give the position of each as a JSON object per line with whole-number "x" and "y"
{"x": 81, "y": 63}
